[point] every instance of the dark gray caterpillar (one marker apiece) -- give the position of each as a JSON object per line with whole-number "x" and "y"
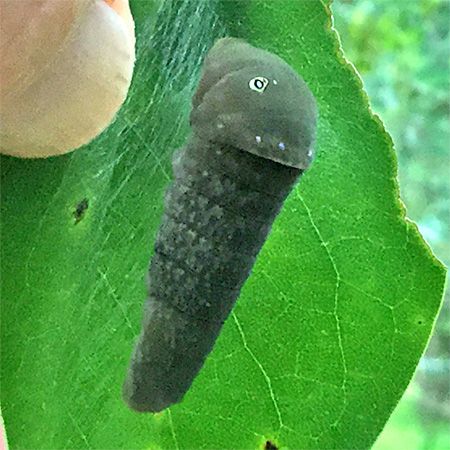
{"x": 253, "y": 129}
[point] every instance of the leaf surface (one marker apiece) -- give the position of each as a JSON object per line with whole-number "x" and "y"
{"x": 328, "y": 329}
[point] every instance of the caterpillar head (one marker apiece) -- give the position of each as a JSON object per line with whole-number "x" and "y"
{"x": 253, "y": 100}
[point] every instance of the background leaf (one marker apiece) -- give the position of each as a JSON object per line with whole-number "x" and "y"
{"x": 328, "y": 329}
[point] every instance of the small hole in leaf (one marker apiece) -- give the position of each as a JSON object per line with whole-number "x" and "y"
{"x": 80, "y": 210}
{"x": 269, "y": 445}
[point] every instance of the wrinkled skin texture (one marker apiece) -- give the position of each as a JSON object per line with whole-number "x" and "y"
{"x": 227, "y": 190}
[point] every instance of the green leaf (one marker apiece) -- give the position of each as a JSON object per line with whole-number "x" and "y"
{"x": 329, "y": 328}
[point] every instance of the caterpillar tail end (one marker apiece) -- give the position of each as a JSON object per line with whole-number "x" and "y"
{"x": 148, "y": 386}
{"x": 132, "y": 396}
{"x": 169, "y": 353}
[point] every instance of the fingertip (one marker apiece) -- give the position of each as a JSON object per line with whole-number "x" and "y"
{"x": 122, "y": 8}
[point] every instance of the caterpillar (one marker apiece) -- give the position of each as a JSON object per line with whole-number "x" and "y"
{"x": 253, "y": 123}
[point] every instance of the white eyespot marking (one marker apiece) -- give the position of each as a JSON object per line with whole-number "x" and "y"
{"x": 281, "y": 146}
{"x": 258, "y": 84}
{"x": 309, "y": 153}
{"x": 258, "y": 139}
{"x": 275, "y": 82}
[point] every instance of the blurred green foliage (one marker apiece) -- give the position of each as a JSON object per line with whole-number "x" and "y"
{"x": 402, "y": 51}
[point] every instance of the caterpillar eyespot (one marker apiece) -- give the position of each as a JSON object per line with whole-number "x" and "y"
{"x": 244, "y": 156}
{"x": 258, "y": 84}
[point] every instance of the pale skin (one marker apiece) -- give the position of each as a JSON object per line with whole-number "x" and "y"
{"x": 72, "y": 59}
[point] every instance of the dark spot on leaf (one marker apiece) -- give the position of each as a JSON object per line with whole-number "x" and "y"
{"x": 124, "y": 130}
{"x": 420, "y": 320}
{"x": 80, "y": 210}
{"x": 270, "y": 446}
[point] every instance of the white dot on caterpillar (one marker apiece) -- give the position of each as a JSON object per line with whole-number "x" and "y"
{"x": 281, "y": 146}
{"x": 258, "y": 139}
{"x": 309, "y": 153}
{"x": 220, "y": 125}
{"x": 275, "y": 82}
